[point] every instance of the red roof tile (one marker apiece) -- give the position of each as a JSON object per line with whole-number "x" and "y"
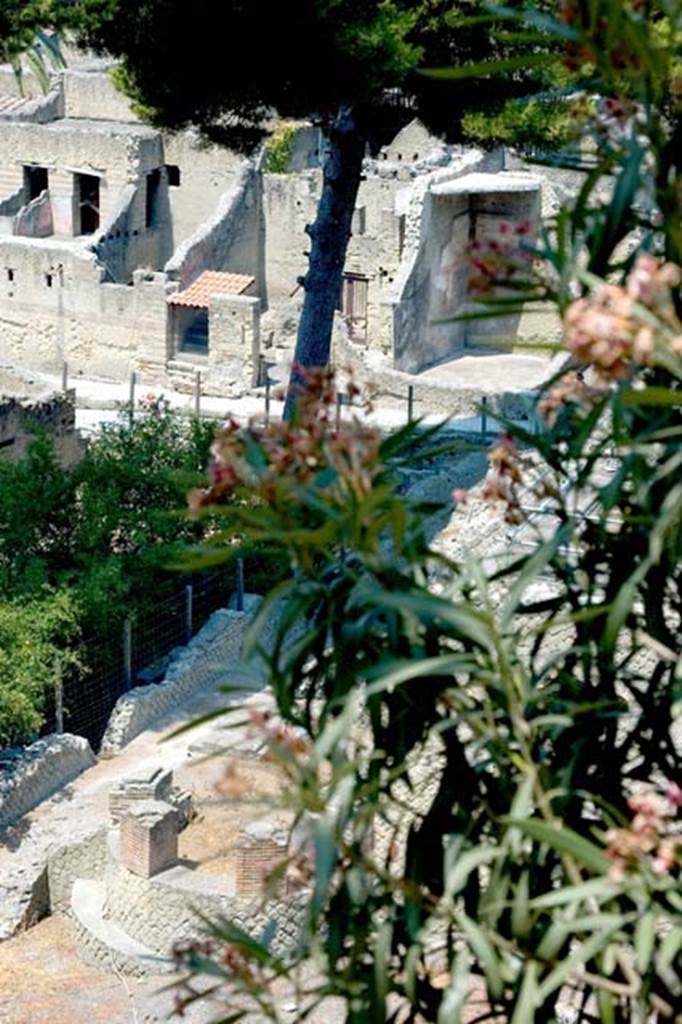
{"x": 211, "y": 282}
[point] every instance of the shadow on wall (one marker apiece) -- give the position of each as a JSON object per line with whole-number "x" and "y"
{"x": 456, "y": 215}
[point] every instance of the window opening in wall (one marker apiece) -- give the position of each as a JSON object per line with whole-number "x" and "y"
{"x": 401, "y": 236}
{"x": 48, "y": 280}
{"x": 353, "y": 305}
{"x": 86, "y": 188}
{"x": 173, "y": 174}
{"x": 153, "y": 187}
{"x": 36, "y": 180}
{"x": 360, "y": 220}
{"x": 195, "y": 336}
{"x": 10, "y": 274}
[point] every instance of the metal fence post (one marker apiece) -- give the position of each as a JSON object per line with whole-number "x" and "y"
{"x": 128, "y": 654}
{"x": 65, "y": 377}
{"x": 267, "y": 397}
{"x": 240, "y": 584}
{"x": 131, "y": 396}
{"x": 197, "y": 394}
{"x": 339, "y": 403}
{"x": 58, "y": 697}
{"x": 484, "y": 416}
{"x": 410, "y": 403}
{"x": 189, "y": 612}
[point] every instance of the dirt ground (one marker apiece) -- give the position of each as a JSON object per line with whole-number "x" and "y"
{"x": 43, "y": 981}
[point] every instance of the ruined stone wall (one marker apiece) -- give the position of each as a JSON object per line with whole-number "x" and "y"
{"x": 206, "y": 174}
{"x": 202, "y": 663}
{"x": 31, "y": 775}
{"x": 20, "y": 420}
{"x": 233, "y": 339}
{"x": 117, "y": 154}
{"x": 229, "y": 240}
{"x": 289, "y": 203}
{"x": 92, "y": 94}
{"x": 50, "y": 315}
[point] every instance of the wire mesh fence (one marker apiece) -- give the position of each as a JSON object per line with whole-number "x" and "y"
{"x": 133, "y": 653}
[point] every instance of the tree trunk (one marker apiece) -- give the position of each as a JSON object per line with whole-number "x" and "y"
{"x": 329, "y": 235}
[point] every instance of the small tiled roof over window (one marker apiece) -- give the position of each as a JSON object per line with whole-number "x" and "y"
{"x": 211, "y": 282}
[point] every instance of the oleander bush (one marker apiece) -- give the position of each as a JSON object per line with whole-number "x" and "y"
{"x": 484, "y": 775}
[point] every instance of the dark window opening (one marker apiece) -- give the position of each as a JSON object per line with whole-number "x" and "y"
{"x": 195, "y": 338}
{"x": 35, "y": 181}
{"x": 87, "y": 203}
{"x": 10, "y": 274}
{"x": 401, "y": 236}
{"x": 360, "y": 221}
{"x": 152, "y": 201}
{"x": 173, "y": 174}
{"x": 48, "y": 280}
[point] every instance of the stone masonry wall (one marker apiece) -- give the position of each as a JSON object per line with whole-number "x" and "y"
{"x": 229, "y": 239}
{"x": 19, "y": 420}
{"x": 29, "y": 776}
{"x": 205, "y": 660}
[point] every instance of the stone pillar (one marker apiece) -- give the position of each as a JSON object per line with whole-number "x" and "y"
{"x": 62, "y": 197}
{"x": 152, "y": 322}
{"x": 234, "y": 336}
{"x": 149, "y": 838}
{"x": 154, "y": 785}
{"x": 260, "y": 848}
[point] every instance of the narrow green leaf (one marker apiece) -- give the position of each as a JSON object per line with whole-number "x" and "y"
{"x": 527, "y": 1002}
{"x": 596, "y": 888}
{"x": 458, "y": 872}
{"x": 567, "y": 968}
{"x": 564, "y": 841}
{"x": 645, "y": 935}
{"x": 484, "y": 952}
{"x": 325, "y": 861}
{"x": 651, "y": 396}
{"x": 490, "y": 67}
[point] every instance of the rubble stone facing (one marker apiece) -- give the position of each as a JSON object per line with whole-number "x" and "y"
{"x": 29, "y": 776}
{"x": 161, "y": 911}
{"x": 205, "y": 661}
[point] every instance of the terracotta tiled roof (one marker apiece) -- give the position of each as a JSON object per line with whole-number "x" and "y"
{"x": 211, "y": 282}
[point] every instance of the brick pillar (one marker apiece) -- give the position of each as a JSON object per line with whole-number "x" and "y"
{"x": 149, "y": 838}
{"x": 260, "y": 848}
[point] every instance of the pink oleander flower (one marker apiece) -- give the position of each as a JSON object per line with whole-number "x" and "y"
{"x": 571, "y": 388}
{"x": 608, "y": 330}
{"x": 497, "y": 261}
{"x": 674, "y": 795}
{"x": 652, "y": 838}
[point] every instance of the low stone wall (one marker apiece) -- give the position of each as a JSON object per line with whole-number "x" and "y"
{"x": 204, "y": 662}
{"x": 86, "y": 858}
{"x": 29, "y": 776}
{"x": 158, "y": 912}
{"x": 390, "y": 387}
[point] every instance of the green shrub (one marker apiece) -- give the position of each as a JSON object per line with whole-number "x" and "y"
{"x": 279, "y": 148}
{"x": 38, "y": 641}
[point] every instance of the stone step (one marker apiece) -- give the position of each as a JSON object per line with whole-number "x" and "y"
{"x": 181, "y": 368}
{"x": 103, "y": 943}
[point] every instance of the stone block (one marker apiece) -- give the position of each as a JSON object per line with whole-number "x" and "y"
{"x": 154, "y": 784}
{"x": 149, "y": 838}
{"x": 260, "y": 848}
